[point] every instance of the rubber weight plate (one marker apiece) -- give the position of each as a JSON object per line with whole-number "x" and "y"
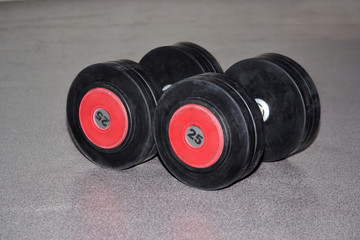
{"x": 169, "y": 64}
{"x": 208, "y": 131}
{"x": 285, "y": 100}
{"x": 109, "y": 111}
{"x": 313, "y": 109}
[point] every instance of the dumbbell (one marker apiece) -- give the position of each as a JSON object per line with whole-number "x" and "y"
{"x": 110, "y": 106}
{"x": 213, "y": 129}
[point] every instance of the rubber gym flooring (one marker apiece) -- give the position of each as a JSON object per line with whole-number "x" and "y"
{"x": 48, "y": 190}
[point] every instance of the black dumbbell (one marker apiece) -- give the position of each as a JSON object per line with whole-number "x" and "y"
{"x": 213, "y": 129}
{"x": 110, "y": 105}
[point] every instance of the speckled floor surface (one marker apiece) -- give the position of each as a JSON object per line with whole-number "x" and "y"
{"x": 48, "y": 190}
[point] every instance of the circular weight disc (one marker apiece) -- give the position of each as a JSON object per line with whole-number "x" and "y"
{"x": 269, "y": 82}
{"x": 304, "y": 90}
{"x": 170, "y": 64}
{"x": 103, "y": 118}
{"x": 313, "y": 107}
{"x": 215, "y": 102}
{"x": 132, "y": 144}
{"x": 196, "y": 136}
{"x": 307, "y": 101}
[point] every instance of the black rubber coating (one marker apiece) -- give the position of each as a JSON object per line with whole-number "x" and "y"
{"x": 124, "y": 81}
{"x": 293, "y": 101}
{"x": 170, "y": 64}
{"x": 139, "y": 86}
{"x": 240, "y": 120}
{"x": 313, "y": 108}
{"x": 212, "y": 63}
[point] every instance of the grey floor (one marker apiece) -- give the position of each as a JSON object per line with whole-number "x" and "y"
{"x": 48, "y": 190}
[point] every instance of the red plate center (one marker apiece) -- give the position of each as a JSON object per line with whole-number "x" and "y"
{"x": 103, "y": 118}
{"x": 196, "y": 136}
